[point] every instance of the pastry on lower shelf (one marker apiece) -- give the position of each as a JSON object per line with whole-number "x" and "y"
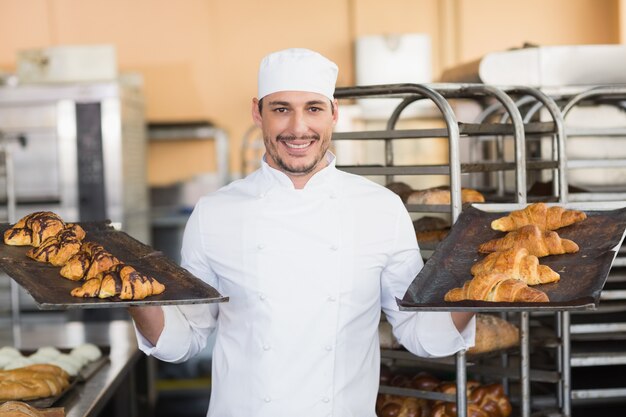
{"x": 32, "y": 382}
{"x": 482, "y": 401}
{"x": 7, "y": 355}
{"x": 493, "y": 333}
{"x": 430, "y": 229}
{"x": 402, "y": 189}
{"x": 398, "y": 406}
{"x": 441, "y": 195}
{"x": 431, "y": 236}
{"x": 70, "y": 364}
{"x": 88, "y": 351}
{"x": 21, "y": 409}
{"x": 389, "y": 405}
{"x": 18, "y": 362}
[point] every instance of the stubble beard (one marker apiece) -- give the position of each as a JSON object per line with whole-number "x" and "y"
{"x": 272, "y": 149}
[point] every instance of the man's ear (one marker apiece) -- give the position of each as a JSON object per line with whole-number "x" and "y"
{"x": 336, "y": 112}
{"x": 256, "y": 115}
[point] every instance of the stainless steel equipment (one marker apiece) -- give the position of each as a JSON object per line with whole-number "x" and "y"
{"x": 84, "y": 153}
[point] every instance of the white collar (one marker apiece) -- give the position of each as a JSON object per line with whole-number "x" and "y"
{"x": 327, "y": 176}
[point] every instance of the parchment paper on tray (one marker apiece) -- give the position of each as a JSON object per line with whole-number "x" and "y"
{"x": 52, "y": 292}
{"x": 583, "y": 274}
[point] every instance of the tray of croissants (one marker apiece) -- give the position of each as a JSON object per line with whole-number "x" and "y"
{"x": 537, "y": 256}
{"x": 65, "y": 265}
{"x": 34, "y": 381}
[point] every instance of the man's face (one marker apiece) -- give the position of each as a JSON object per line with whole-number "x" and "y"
{"x": 297, "y": 127}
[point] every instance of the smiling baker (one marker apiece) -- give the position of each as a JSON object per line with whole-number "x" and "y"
{"x": 308, "y": 256}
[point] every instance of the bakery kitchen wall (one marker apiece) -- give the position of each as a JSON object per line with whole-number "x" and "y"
{"x": 199, "y": 57}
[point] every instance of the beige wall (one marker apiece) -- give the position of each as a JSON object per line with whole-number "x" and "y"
{"x": 199, "y": 57}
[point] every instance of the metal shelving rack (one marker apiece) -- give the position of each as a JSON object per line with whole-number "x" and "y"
{"x": 7, "y": 173}
{"x": 607, "y": 325}
{"x": 511, "y": 125}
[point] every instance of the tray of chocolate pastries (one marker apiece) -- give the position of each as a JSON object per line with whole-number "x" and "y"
{"x": 521, "y": 257}
{"x": 92, "y": 265}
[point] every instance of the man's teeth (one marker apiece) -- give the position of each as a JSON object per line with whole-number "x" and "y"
{"x": 295, "y": 146}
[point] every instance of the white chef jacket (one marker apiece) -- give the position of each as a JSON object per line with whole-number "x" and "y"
{"x": 307, "y": 272}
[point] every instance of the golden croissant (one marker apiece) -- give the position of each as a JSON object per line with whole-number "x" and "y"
{"x": 516, "y": 263}
{"x": 539, "y": 243}
{"x": 496, "y": 287}
{"x": 88, "y": 262}
{"x": 58, "y": 249}
{"x": 33, "y": 229}
{"x": 546, "y": 218}
{"x": 122, "y": 281}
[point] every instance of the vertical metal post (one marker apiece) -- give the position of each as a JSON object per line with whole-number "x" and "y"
{"x": 388, "y": 158}
{"x": 566, "y": 377}
{"x": 11, "y": 214}
{"x": 524, "y": 365}
{"x": 559, "y": 358}
{"x": 461, "y": 384}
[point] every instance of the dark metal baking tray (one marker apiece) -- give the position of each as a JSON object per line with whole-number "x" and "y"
{"x": 52, "y": 292}
{"x": 583, "y": 274}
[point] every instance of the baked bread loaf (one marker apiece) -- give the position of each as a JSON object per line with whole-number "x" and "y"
{"x": 491, "y": 398}
{"x": 427, "y": 223}
{"x": 431, "y": 236}
{"x": 31, "y": 382}
{"x": 498, "y": 288}
{"x": 493, "y": 333}
{"x": 430, "y": 229}
{"x": 20, "y": 409}
{"x": 389, "y": 405}
{"x": 386, "y": 338}
{"x": 402, "y": 189}
{"x": 441, "y": 195}
{"x": 546, "y": 218}
{"x": 88, "y": 262}
{"x": 482, "y": 401}
{"x": 121, "y": 281}
{"x": 539, "y": 243}
{"x": 398, "y": 406}
{"x": 58, "y": 249}
{"x": 33, "y": 229}
{"x": 516, "y": 263}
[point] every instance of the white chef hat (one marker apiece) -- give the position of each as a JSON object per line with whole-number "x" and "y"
{"x": 297, "y": 69}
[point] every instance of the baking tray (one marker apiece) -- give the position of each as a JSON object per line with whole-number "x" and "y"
{"x": 52, "y": 292}
{"x": 583, "y": 274}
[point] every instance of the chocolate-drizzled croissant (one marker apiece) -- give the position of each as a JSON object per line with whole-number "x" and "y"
{"x": 33, "y": 229}
{"x": 88, "y": 262}
{"x": 120, "y": 280}
{"x": 59, "y": 248}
